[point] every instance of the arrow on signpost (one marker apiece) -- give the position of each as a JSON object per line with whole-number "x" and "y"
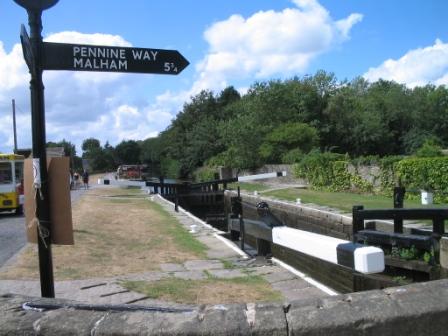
{"x": 26, "y": 48}
{"x": 81, "y": 57}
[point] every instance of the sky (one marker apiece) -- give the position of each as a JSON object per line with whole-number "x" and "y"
{"x": 227, "y": 42}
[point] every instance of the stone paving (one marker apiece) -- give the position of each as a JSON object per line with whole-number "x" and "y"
{"x": 225, "y": 261}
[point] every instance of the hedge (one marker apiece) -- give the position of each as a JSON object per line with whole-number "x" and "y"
{"x": 329, "y": 171}
{"x": 430, "y": 174}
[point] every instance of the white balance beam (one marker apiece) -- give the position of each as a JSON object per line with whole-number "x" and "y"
{"x": 261, "y": 176}
{"x": 123, "y": 183}
{"x": 364, "y": 259}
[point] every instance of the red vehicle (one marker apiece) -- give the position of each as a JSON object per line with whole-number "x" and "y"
{"x": 133, "y": 172}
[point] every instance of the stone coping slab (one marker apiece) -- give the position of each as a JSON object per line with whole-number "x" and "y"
{"x": 413, "y": 310}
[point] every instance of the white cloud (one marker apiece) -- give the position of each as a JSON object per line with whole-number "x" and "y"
{"x": 269, "y": 43}
{"x": 14, "y": 83}
{"x": 265, "y": 44}
{"x": 417, "y": 67}
{"x": 78, "y": 105}
{"x": 94, "y": 104}
{"x": 13, "y": 70}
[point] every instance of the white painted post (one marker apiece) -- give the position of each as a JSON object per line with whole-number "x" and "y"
{"x": 427, "y": 197}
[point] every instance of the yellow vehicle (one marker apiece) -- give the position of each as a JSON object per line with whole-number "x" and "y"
{"x": 11, "y": 183}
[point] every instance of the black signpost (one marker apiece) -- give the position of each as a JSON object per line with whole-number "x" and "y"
{"x": 79, "y": 57}
{"x": 32, "y": 49}
{"x": 41, "y": 56}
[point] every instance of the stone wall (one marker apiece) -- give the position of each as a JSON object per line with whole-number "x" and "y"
{"x": 370, "y": 173}
{"x": 413, "y": 310}
{"x": 300, "y": 216}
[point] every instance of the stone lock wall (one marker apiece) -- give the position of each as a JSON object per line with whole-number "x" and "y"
{"x": 300, "y": 216}
{"x": 413, "y": 310}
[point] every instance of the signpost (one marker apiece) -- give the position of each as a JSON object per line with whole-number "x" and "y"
{"x": 40, "y": 56}
{"x": 79, "y": 57}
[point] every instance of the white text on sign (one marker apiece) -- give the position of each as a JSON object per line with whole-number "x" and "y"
{"x": 100, "y": 58}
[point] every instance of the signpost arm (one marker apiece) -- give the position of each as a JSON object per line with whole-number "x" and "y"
{"x": 39, "y": 152}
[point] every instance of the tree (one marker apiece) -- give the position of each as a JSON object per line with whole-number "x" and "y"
{"x": 288, "y": 137}
{"x": 430, "y": 114}
{"x": 69, "y": 148}
{"x": 243, "y": 139}
{"x": 193, "y": 137}
{"x": 127, "y": 152}
{"x": 228, "y": 96}
{"x": 342, "y": 113}
{"x": 100, "y": 159}
{"x": 109, "y": 157}
{"x": 69, "y": 151}
{"x": 429, "y": 149}
{"x": 90, "y": 143}
{"x": 280, "y": 120}
{"x": 151, "y": 150}
{"x": 386, "y": 115}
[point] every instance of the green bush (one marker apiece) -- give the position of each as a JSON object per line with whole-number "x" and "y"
{"x": 292, "y": 156}
{"x": 429, "y": 149}
{"x": 367, "y": 160}
{"x": 170, "y": 168}
{"x": 317, "y": 168}
{"x": 341, "y": 180}
{"x": 388, "y": 178}
{"x": 360, "y": 184}
{"x": 430, "y": 174}
{"x": 329, "y": 171}
{"x": 205, "y": 173}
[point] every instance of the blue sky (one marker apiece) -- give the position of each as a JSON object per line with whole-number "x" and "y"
{"x": 228, "y": 42}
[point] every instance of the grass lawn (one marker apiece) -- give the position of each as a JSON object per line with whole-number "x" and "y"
{"x": 342, "y": 200}
{"x": 120, "y": 232}
{"x": 250, "y": 187}
{"x": 116, "y": 232}
{"x": 251, "y": 288}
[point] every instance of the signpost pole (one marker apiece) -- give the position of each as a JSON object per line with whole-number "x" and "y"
{"x": 39, "y": 157}
{"x": 41, "y": 56}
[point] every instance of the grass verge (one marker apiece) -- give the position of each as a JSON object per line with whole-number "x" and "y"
{"x": 341, "y": 200}
{"x": 212, "y": 290}
{"x": 250, "y": 187}
{"x": 179, "y": 234}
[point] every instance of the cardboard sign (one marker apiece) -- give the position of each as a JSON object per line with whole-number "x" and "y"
{"x": 60, "y": 202}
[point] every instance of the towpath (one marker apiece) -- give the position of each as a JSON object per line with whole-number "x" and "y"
{"x": 104, "y": 290}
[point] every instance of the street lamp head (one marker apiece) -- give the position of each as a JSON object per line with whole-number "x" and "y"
{"x": 36, "y": 5}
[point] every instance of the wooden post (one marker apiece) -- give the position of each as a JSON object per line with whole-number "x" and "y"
{"x": 358, "y": 221}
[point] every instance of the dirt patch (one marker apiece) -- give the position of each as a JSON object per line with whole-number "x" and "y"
{"x": 113, "y": 236}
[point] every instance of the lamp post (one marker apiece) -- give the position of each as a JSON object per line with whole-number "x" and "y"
{"x": 34, "y": 9}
